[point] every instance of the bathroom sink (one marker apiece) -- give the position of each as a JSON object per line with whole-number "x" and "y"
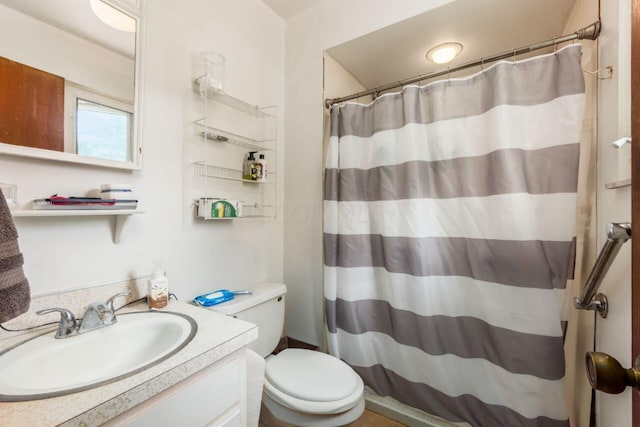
{"x": 44, "y": 366}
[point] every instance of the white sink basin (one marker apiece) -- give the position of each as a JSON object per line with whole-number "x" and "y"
{"x": 44, "y": 366}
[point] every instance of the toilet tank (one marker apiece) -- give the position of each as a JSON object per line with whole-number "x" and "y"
{"x": 264, "y": 308}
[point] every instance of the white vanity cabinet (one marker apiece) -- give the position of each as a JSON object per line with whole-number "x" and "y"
{"x": 204, "y": 384}
{"x": 215, "y": 396}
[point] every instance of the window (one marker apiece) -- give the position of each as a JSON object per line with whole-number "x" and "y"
{"x": 98, "y": 125}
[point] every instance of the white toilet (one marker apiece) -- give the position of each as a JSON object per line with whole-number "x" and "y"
{"x": 301, "y": 387}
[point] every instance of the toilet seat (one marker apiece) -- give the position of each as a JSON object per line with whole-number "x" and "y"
{"x": 297, "y": 418}
{"x": 312, "y": 382}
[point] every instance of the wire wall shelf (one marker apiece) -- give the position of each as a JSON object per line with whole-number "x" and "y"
{"x": 256, "y": 210}
{"x": 257, "y": 130}
{"x": 207, "y": 170}
{"x": 217, "y": 135}
{"x": 245, "y": 210}
{"x": 230, "y": 101}
{"x": 212, "y": 171}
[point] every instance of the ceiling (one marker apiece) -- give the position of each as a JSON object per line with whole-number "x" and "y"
{"x": 287, "y": 8}
{"x": 486, "y": 27}
{"x": 390, "y": 54}
{"x": 77, "y": 18}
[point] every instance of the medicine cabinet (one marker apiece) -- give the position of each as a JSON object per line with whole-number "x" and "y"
{"x": 229, "y": 129}
{"x": 74, "y": 82}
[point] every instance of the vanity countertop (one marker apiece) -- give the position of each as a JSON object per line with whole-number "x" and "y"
{"x": 217, "y": 337}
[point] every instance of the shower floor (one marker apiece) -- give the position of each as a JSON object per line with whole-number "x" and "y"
{"x": 368, "y": 419}
{"x": 403, "y": 414}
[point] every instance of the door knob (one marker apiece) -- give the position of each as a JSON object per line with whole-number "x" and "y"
{"x": 606, "y": 374}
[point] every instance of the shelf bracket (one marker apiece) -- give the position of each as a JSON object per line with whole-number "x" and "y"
{"x": 118, "y": 225}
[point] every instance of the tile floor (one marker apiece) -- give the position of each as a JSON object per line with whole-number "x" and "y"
{"x": 368, "y": 419}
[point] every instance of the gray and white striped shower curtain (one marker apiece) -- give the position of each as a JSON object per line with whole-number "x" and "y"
{"x": 449, "y": 238}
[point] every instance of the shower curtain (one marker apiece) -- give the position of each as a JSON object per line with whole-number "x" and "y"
{"x": 449, "y": 224}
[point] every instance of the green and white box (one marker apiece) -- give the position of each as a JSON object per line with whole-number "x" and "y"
{"x": 211, "y": 208}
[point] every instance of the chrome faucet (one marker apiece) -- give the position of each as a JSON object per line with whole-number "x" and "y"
{"x": 68, "y": 323}
{"x": 97, "y": 315}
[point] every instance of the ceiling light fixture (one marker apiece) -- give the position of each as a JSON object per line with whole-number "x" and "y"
{"x": 444, "y": 52}
{"x": 113, "y": 17}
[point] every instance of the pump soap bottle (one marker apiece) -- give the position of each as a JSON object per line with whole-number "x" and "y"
{"x": 262, "y": 169}
{"x": 249, "y": 169}
{"x": 158, "y": 292}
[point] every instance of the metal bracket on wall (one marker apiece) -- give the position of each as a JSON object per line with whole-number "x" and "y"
{"x": 608, "y": 73}
{"x": 617, "y": 234}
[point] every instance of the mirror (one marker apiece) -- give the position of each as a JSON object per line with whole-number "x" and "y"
{"x": 71, "y": 73}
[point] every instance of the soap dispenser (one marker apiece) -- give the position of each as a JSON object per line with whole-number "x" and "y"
{"x": 249, "y": 169}
{"x": 158, "y": 291}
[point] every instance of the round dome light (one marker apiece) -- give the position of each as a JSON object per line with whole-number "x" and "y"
{"x": 113, "y": 17}
{"x": 444, "y": 52}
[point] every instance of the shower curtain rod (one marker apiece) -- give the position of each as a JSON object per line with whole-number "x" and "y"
{"x": 590, "y": 32}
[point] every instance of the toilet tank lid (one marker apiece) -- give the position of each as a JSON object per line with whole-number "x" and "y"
{"x": 259, "y": 294}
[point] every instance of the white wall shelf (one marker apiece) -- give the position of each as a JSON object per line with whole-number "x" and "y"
{"x": 618, "y": 184}
{"x": 120, "y": 216}
{"x": 219, "y": 96}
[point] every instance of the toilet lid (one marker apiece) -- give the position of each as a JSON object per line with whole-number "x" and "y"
{"x": 311, "y": 375}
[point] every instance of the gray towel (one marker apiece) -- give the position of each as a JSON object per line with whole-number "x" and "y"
{"x": 15, "y": 296}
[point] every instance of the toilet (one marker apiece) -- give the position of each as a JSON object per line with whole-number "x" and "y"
{"x": 301, "y": 387}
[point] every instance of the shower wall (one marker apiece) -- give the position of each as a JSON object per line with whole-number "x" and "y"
{"x": 580, "y": 333}
{"x": 338, "y": 81}
{"x": 613, "y": 334}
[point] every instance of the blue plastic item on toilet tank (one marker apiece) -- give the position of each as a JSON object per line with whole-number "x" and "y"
{"x": 217, "y": 297}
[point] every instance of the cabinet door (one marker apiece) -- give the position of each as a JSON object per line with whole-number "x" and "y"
{"x": 215, "y": 396}
{"x": 31, "y": 107}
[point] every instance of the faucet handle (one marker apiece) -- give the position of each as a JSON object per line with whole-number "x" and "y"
{"x": 68, "y": 323}
{"x": 109, "y": 302}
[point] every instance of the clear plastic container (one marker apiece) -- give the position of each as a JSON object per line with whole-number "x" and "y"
{"x": 214, "y": 65}
{"x": 10, "y": 192}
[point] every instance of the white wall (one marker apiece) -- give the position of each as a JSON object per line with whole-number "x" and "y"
{"x": 338, "y": 81}
{"x": 58, "y": 52}
{"x": 63, "y": 253}
{"x": 613, "y": 334}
